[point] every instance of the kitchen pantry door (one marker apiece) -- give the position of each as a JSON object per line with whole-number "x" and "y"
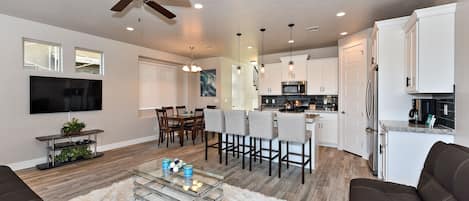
{"x": 353, "y": 93}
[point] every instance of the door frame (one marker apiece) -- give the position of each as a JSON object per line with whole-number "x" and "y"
{"x": 365, "y": 42}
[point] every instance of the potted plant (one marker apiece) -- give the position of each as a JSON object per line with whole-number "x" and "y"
{"x": 73, "y": 127}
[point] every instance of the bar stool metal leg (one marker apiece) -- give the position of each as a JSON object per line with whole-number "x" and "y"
{"x": 288, "y": 158}
{"x": 250, "y": 153}
{"x": 233, "y": 138}
{"x": 244, "y": 143}
{"x": 270, "y": 158}
{"x": 279, "y": 158}
{"x": 255, "y": 149}
{"x": 226, "y": 149}
{"x": 206, "y": 145}
{"x": 303, "y": 164}
{"x": 237, "y": 148}
{"x": 219, "y": 148}
{"x": 260, "y": 150}
{"x": 310, "y": 158}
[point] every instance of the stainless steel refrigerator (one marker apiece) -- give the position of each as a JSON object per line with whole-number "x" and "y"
{"x": 372, "y": 129}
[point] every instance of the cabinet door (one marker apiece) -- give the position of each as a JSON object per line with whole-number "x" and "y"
{"x": 273, "y": 73}
{"x": 314, "y": 79}
{"x": 411, "y": 59}
{"x": 330, "y": 76}
{"x": 328, "y": 129}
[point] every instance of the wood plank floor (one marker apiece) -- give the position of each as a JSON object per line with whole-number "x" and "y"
{"x": 330, "y": 181}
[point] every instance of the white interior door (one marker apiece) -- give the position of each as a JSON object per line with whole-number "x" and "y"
{"x": 353, "y": 90}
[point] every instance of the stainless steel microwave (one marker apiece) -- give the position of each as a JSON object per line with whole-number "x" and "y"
{"x": 294, "y": 88}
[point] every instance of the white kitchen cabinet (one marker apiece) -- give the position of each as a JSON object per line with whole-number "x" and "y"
{"x": 299, "y": 70}
{"x": 269, "y": 81}
{"x": 404, "y": 154}
{"x": 323, "y": 76}
{"x": 327, "y": 128}
{"x": 429, "y": 50}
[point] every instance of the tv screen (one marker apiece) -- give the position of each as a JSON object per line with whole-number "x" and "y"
{"x": 50, "y": 94}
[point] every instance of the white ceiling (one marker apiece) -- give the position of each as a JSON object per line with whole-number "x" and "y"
{"x": 212, "y": 29}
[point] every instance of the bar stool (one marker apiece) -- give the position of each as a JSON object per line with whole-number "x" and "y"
{"x": 214, "y": 122}
{"x": 261, "y": 126}
{"x": 236, "y": 125}
{"x": 292, "y": 129}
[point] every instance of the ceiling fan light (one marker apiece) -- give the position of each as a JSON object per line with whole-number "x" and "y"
{"x": 185, "y": 68}
{"x": 194, "y": 68}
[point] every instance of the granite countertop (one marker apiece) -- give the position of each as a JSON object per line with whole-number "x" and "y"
{"x": 320, "y": 111}
{"x": 404, "y": 126}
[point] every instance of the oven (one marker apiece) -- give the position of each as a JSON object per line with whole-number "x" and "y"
{"x": 294, "y": 88}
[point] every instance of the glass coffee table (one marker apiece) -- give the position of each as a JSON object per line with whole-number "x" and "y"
{"x": 152, "y": 185}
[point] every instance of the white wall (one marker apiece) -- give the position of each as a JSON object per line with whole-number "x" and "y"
{"x": 223, "y": 84}
{"x": 119, "y": 118}
{"x": 462, "y": 72}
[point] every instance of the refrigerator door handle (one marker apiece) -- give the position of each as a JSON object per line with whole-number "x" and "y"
{"x": 369, "y": 100}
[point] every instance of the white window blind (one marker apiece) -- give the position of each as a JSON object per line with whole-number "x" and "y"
{"x": 158, "y": 85}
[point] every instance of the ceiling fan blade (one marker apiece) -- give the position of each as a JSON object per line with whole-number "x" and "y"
{"x": 160, "y": 9}
{"x": 120, "y": 6}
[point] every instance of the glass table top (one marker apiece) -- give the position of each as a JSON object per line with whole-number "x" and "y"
{"x": 154, "y": 182}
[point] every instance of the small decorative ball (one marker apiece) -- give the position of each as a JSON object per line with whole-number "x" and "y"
{"x": 172, "y": 165}
{"x": 175, "y": 169}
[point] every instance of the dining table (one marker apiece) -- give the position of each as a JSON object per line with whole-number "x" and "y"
{"x": 182, "y": 121}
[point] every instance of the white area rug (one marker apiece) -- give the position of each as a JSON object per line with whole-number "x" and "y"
{"x": 123, "y": 191}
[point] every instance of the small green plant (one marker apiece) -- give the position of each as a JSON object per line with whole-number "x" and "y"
{"x": 72, "y": 154}
{"x": 73, "y": 126}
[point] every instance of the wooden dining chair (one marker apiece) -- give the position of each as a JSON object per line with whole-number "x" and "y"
{"x": 166, "y": 131}
{"x": 180, "y": 110}
{"x": 169, "y": 110}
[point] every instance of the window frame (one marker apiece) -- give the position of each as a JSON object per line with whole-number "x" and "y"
{"x": 101, "y": 66}
{"x": 43, "y": 42}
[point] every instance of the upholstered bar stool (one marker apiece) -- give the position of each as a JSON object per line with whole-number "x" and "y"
{"x": 237, "y": 126}
{"x": 261, "y": 127}
{"x": 292, "y": 129}
{"x": 214, "y": 120}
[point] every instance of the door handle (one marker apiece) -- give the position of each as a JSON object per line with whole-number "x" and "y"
{"x": 343, "y": 112}
{"x": 407, "y": 82}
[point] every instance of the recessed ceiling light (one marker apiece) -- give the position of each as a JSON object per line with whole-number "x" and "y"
{"x": 312, "y": 28}
{"x": 130, "y": 29}
{"x": 291, "y": 41}
{"x": 249, "y": 47}
{"x": 341, "y": 14}
{"x": 344, "y": 33}
{"x": 198, "y": 6}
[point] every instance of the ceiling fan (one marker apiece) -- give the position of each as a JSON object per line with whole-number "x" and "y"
{"x": 120, "y": 6}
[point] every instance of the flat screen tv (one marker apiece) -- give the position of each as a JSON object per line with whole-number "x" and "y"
{"x": 51, "y": 94}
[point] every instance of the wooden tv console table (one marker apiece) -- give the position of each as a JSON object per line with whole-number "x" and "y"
{"x": 68, "y": 141}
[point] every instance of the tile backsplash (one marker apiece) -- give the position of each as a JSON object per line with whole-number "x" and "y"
{"x": 321, "y": 101}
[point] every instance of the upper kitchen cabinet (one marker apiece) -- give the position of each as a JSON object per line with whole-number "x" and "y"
{"x": 269, "y": 81}
{"x": 323, "y": 76}
{"x": 299, "y": 70}
{"x": 429, "y": 49}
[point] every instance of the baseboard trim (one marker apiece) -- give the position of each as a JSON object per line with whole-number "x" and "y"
{"x": 33, "y": 162}
{"x": 328, "y": 145}
{"x": 121, "y": 144}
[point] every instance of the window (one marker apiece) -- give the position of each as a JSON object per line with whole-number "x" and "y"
{"x": 42, "y": 56}
{"x": 88, "y": 61}
{"x": 159, "y": 85}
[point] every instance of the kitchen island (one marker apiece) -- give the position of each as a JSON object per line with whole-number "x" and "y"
{"x": 311, "y": 125}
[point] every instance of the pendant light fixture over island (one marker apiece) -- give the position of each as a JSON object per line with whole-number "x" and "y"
{"x": 291, "y": 64}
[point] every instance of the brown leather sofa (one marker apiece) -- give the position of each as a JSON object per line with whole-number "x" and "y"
{"x": 12, "y": 188}
{"x": 445, "y": 177}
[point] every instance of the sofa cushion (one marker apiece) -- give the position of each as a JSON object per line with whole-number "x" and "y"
{"x": 12, "y": 188}
{"x": 445, "y": 175}
{"x": 368, "y": 189}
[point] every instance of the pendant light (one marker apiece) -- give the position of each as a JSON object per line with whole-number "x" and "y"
{"x": 262, "y": 51}
{"x": 239, "y": 53}
{"x": 291, "y": 64}
{"x": 192, "y": 67}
